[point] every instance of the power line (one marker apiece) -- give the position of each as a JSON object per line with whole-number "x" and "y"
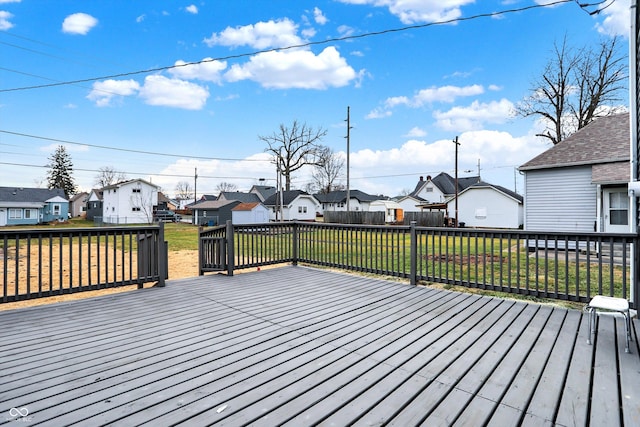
{"x": 582, "y": 6}
{"x": 154, "y": 153}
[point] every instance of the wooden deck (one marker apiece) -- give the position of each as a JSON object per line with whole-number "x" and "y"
{"x": 303, "y": 346}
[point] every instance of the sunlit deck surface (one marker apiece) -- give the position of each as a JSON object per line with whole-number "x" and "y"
{"x": 304, "y": 346}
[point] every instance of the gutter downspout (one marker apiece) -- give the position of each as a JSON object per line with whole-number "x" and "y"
{"x": 633, "y": 143}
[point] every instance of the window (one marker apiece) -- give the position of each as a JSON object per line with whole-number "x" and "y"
{"x": 204, "y": 214}
{"x": 15, "y": 213}
{"x": 135, "y": 209}
{"x": 136, "y": 190}
{"x": 56, "y": 209}
{"x": 302, "y": 209}
{"x": 481, "y": 213}
{"x": 30, "y": 213}
{"x": 619, "y": 208}
{"x": 429, "y": 190}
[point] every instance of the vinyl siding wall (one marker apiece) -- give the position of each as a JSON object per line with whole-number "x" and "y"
{"x": 562, "y": 199}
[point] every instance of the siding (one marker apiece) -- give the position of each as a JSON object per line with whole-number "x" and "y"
{"x": 562, "y": 199}
{"x": 501, "y": 211}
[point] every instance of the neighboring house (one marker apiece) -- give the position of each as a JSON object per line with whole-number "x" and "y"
{"x": 490, "y": 206}
{"x": 263, "y": 191}
{"x": 165, "y": 203}
{"x": 78, "y": 204}
{"x": 249, "y": 213}
{"x": 480, "y": 204}
{"x": 295, "y": 205}
{"x": 239, "y": 196}
{"x": 30, "y": 206}
{"x": 392, "y": 210}
{"x": 213, "y": 212}
{"x": 94, "y": 204}
{"x": 336, "y": 201}
{"x": 129, "y": 202}
{"x": 410, "y": 203}
{"x": 580, "y": 184}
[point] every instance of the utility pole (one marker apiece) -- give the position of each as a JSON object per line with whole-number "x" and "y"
{"x": 195, "y": 187}
{"x": 348, "y": 155}
{"x": 455, "y": 141}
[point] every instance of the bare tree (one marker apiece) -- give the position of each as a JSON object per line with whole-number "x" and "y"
{"x": 108, "y": 175}
{"x": 576, "y": 86}
{"x": 226, "y": 186}
{"x": 184, "y": 191}
{"x": 294, "y": 148}
{"x": 328, "y": 170}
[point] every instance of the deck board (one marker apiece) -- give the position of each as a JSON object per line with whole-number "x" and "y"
{"x": 302, "y": 346}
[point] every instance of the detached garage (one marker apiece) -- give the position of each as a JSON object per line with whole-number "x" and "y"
{"x": 249, "y": 213}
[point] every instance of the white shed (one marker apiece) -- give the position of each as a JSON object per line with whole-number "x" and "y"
{"x": 249, "y": 213}
{"x": 393, "y": 212}
{"x": 489, "y": 206}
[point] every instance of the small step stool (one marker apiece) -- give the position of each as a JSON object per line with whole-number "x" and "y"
{"x": 611, "y": 304}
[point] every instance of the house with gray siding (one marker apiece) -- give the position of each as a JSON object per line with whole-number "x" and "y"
{"x": 213, "y": 212}
{"x": 580, "y": 184}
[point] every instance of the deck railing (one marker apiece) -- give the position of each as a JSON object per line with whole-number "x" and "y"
{"x": 563, "y": 266}
{"x": 43, "y": 262}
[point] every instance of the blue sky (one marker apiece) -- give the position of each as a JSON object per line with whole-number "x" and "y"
{"x": 410, "y": 92}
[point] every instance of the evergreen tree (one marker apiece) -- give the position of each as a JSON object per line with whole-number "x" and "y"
{"x": 60, "y": 171}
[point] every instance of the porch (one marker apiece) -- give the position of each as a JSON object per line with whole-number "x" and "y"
{"x": 303, "y": 346}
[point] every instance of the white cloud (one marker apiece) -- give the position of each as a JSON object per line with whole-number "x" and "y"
{"x": 206, "y": 70}
{"x": 474, "y": 116}
{"x": 78, "y": 23}
{"x": 416, "y": 132}
{"x": 141, "y": 18}
{"x": 67, "y": 147}
{"x": 319, "y": 17}
{"x": 617, "y": 19}
{"x": 162, "y": 91}
{"x": 263, "y": 35}
{"x": 295, "y": 69}
{"x": 412, "y": 11}
{"x": 10, "y": 1}
{"x": 192, "y": 9}
{"x": 5, "y": 22}
{"x": 103, "y": 93}
{"x": 378, "y": 113}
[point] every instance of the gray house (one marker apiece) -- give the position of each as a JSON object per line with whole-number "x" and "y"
{"x": 580, "y": 184}
{"x": 30, "y": 206}
{"x": 213, "y": 212}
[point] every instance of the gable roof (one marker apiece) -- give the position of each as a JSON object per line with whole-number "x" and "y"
{"x": 215, "y": 204}
{"x": 239, "y": 196}
{"x": 78, "y": 196}
{"x": 605, "y": 140}
{"x": 499, "y": 188}
{"x": 246, "y": 206}
{"x": 287, "y": 197}
{"x": 446, "y": 183}
{"x": 131, "y": 181}
{"x": 340, "y": 196}
{"x": 263, "y": 191}
{"x": 9, "y": 195}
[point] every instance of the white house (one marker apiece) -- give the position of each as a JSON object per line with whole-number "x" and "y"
{"x": 490, "y": 206}
{"x": 295, "y": 205}
{"x": 250, "y": 213}
{"x": 410, "y": 203}
{"x": 129, "y": 202}
{"x": 580, "y": 184}
{"x": 336, "y": 201}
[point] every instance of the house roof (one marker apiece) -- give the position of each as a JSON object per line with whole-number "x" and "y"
{"x": 605, "y": 140}
{"x": 263, "y": 191}
{"x": 287, "y": 197}
{"x": 611, "y": 173}
{"x": 98, "y": 192}
{"x": 131, "y": 181}
{"x": 498, "y": 188}
{"x": 214, "y": 204}
{"x": 209, "y": 197}
{"x": 78, "y": 196}
{"x": 246, "y": 206}
{"x": 29, "y": 195}
{"x": 341, "y": 196}
{"x": 446, "y": 183}
{"x": 239, "y": 196}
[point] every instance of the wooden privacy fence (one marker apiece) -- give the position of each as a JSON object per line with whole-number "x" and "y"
{"x": 563, "y": 266}
{"x": 44, "y": 262}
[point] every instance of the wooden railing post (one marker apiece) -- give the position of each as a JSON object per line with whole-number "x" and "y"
{"x": 231, "y": 256}
{"x": 413, "y": 256}
{"x": 163, "y": 256}
{"x": 295, "y": 242}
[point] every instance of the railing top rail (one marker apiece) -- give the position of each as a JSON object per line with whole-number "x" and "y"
{"x": 529, "y": 233}
{"x": 24, "y": 232}
{"x": 211, "y": 230}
